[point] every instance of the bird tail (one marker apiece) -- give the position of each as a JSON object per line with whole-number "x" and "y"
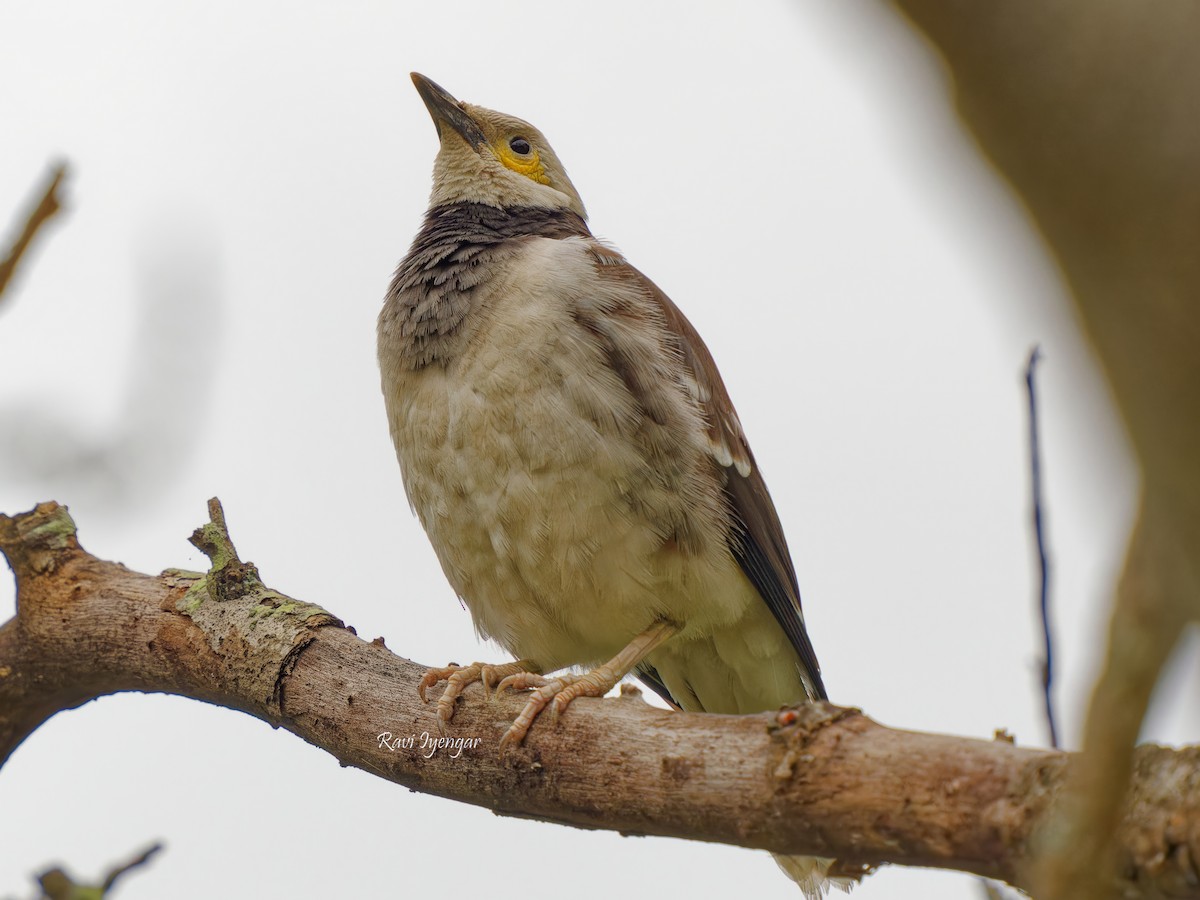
{"x": 748, "y": 668}
{"x": 811, "y": 873}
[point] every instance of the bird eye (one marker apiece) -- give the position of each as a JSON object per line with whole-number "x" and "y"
{"x": 520, "y": 146}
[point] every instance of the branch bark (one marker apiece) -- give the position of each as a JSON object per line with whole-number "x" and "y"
{"x": 816, "y": 779}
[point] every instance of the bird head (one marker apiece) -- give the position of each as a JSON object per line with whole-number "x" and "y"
{"x": 493, "y": 158}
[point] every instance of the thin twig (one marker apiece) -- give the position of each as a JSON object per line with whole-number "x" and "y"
{"x": 1035, "y": 469}
{"x": 140, "y": 860}
{"x": 45, "y": 209}
{"x": 57, "y": 883}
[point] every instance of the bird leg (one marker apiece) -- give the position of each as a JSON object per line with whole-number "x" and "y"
{"x": 458, "y": 678}
{"x": 558, "y": 691}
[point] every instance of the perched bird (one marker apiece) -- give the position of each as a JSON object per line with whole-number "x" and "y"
{"x": 569, "y": 447}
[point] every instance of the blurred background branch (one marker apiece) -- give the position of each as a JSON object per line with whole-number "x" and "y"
{"x": 57, "y": 884}
{"x": 1091, "y": 110}
{"x": 138, "y": 453}
{"x": 45, "y": 209}
{"x": 1039, "y": 536}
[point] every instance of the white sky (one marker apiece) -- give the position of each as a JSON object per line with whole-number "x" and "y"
{"x": 247, "y": 175}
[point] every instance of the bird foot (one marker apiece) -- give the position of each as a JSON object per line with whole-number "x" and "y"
{"x": 459, "y": 678}
{"x": 557, "y": 692}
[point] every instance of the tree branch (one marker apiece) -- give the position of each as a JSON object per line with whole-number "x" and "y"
{"x": 57, "y": 884}
{"x": 816, "y": 779}
{"x": 1089, "y": 109}
{"x": 43, "y": 211}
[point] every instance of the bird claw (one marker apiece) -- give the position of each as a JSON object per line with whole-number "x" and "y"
{"x": 556, "y": 692}
{"x": 525, "y": 675}
{"x": 433, "y": 676}
{"x": 459, "y": 678}
{"x": 522, "y": 681}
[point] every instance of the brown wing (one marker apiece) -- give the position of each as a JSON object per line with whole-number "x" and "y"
{"x": 757, "y": 540}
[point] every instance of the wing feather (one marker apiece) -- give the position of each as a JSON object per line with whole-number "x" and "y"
{"x": 756, "y": 537}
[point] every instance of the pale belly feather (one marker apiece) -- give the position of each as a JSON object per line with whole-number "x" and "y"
{"x": 513, "y": 461}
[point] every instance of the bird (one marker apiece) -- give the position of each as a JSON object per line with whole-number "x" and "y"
{"x": 568, "y": 445}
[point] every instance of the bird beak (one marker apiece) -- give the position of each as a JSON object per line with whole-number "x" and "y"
{"x": 445, "y": 110}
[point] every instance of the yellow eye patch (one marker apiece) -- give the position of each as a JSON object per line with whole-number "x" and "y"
{"x": 527, "y": 164}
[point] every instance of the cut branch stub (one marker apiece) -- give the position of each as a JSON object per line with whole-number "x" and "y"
{"x": 228, "y": 577}
{"x": 87, "y": 627}
{"x": 232, "y": 593}
{"x": 33, "y": 543}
